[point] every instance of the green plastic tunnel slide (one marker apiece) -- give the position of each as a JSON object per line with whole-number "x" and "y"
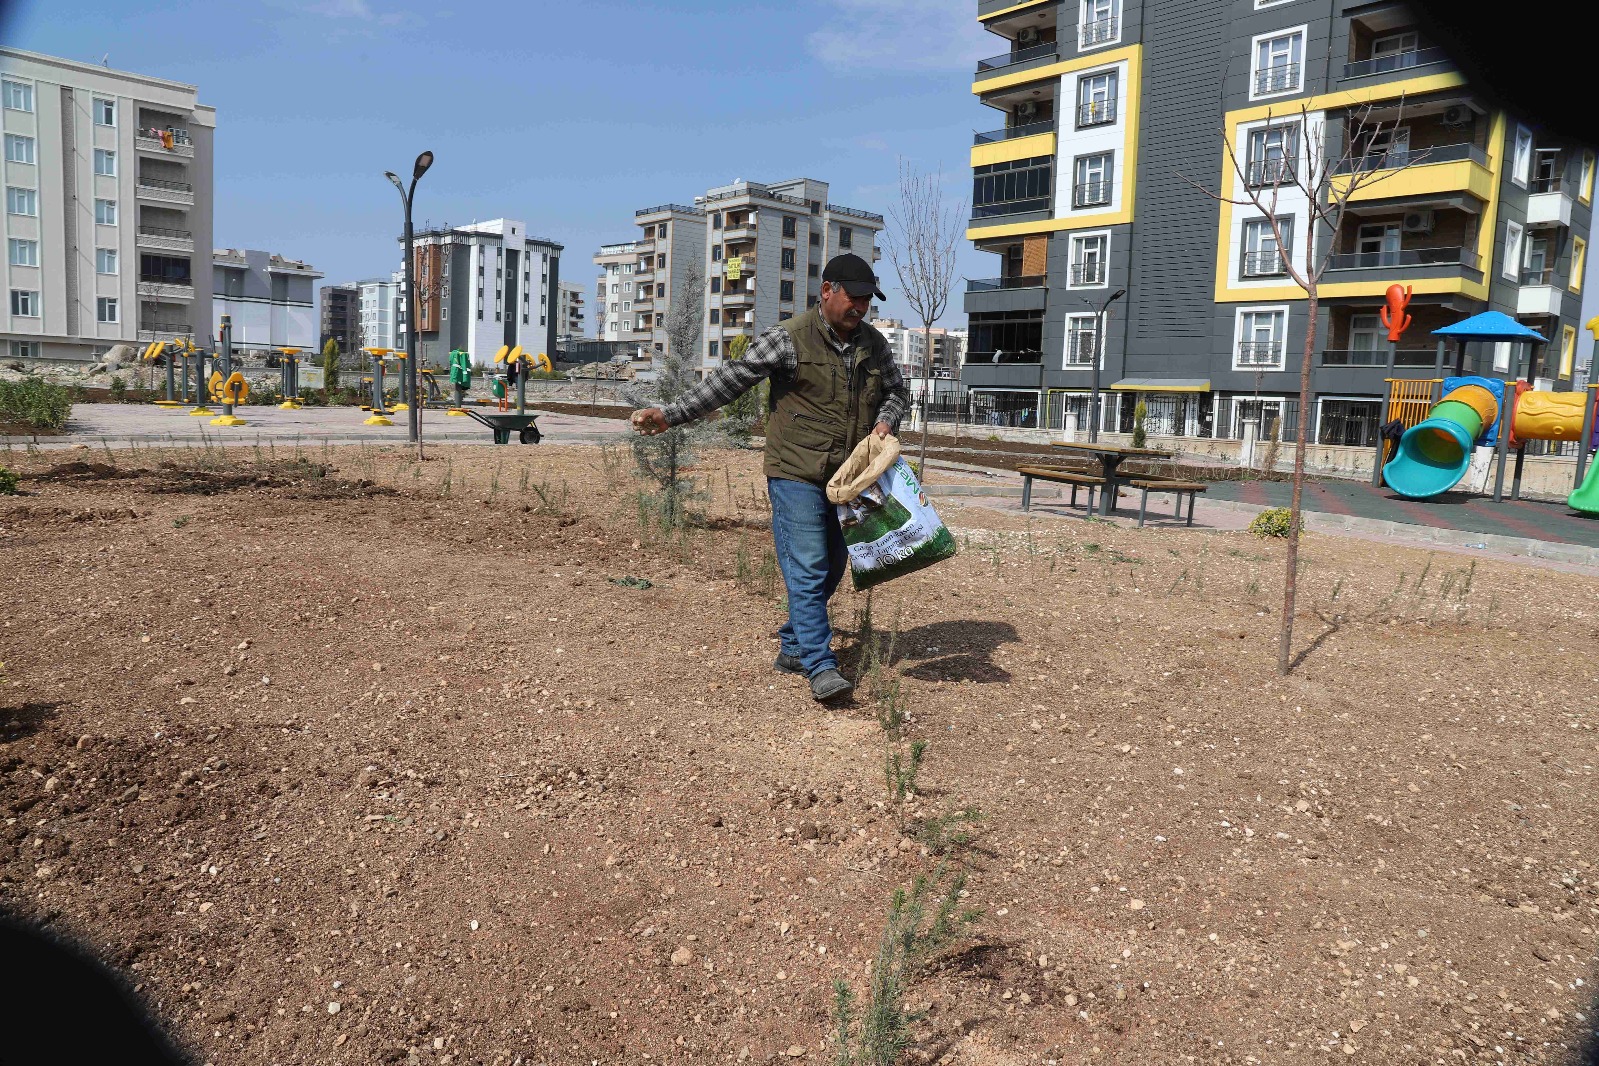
{"x": 1434, "y": 454}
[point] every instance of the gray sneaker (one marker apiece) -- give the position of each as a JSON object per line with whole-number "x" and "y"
{"x": 829, "y": 684}
{"x": 788, "y": 664}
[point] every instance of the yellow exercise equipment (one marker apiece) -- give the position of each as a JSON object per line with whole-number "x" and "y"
{"x": 234, "y": 390}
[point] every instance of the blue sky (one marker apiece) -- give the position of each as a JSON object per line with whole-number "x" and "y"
{"x": 566, "y": 115}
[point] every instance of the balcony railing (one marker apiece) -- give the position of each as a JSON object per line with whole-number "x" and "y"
{"x": 1538, "y": 185}
{"x": 1003, "y": 357}
{"x": 1088, "y": 273}
{"x": 162, "y": 183}
{"x": 1438, "y": 153}
{"x": 1020, "y": 55}
{"x": 1097, "y": 32}
{"x": 1011, "y": 207}
{"x": 1260, "y": 172}
{"x": 163, "y": 326}
{"x": 1263, "y": 264}
{"x": 163, "y": 231}
{"x": 1096, "y": 113}
{"x": 1278, "y": 78}
{"x": 1260, "y": 353}
{"x": 1538, "y": 277}
{"x": 1421, "y": 57}
{"x": 1010, "y": 133}
{"x": 660, "y": 208}
{"x": 839, "y": 209}
{"x": 156, "y": 133}
{"x": 1022, "y": 281}
{"x": 1091, "y": 193}
{"x": 159, "y": 279}
{"x": 1403, "y": 357}
{"x": 1404, "y": 257}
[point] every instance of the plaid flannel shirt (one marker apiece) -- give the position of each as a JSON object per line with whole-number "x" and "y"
{"x": 773, "y": 354}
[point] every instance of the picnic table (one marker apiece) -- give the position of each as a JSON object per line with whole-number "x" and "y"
{"x": 1110, "y": 457}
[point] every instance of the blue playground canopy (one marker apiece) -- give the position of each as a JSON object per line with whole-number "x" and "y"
{"x": 1491, "y": 326}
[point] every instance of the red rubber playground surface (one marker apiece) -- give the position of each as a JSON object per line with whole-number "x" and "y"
{"x": 1534, "y": 519}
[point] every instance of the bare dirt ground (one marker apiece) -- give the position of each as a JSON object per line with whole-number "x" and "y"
{"x": 345, "y": 759}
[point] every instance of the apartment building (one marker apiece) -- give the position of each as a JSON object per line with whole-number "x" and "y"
{"x": 480, "y": 287}
{"x": 378, "y": 304}
{"x": 756, "y": 251}
{"x": 1109, "y": 110}
{"x": 107, "y": 180}
{"x": 339, "y": 316}
{"x": 570, "y": 309}
{"x": 268, "y": 297}
{"x": 908, "y": 342}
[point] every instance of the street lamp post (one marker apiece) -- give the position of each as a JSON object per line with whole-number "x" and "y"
{"x": 414, "y": 416}
{"x": 1097, "y": 357}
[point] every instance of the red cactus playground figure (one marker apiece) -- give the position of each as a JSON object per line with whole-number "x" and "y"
{"x": 1393, "y": 316}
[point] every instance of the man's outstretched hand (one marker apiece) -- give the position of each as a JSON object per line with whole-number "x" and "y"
{"x": 882, "y": 429}
{"x": 650, "y": 421}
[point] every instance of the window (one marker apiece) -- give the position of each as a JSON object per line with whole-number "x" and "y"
{"x": 1396, "y": 51}
{"x": 813, "y": 271}
{"x": 627, "y": 287}
{"x": 716, "y": 253}
{"x": 1011, "y": 188}
{"x": 1098, "y": 24}
{"x": 105, "y": 112}
{"x": 24, "y": 303}
{"x": 816, "y": 239}
{"x": 785, "y": 291}
{"x": 1585, "y": 180}
{"x": 1262, "y": 334}
{"x": 810, "y": 301}
{"x": 1377, "y": 244}
{"x": 23, "y": 253}
{"x": 1093, "y": 180}
{"x": 1080, "y": 340}
{"x": 716, "y": 220}
{"x": 1262, "y": 255}
{"x": 790, "y": 226}
{"x": 716, "y": 284}
{"x": 105, "y": 162}
{"x": 19, "y": 96}
{"x": 784, "y": 316}
{"x": 627, "y": 305}
{"x": 788, "y": 259}
{"x": 1278, "y": 61}
{"x": 105, "y": 309}
{"x": 1568, "y": 349}
{"x": 19, "y": 149}
{"x": 1088, "y": 254}
{"x": 105, "y": 212}
{"x": 1096, "y": 99}
{"x": 25, "y": 349}
{"x": 1579, "y": 263}
{"x": 22, "y": 201}
{"x": 1546, "y": 170}
{"x": 105, "y": 260}
{"x": 845, "y": 235}
{"x": 716, "y": 316}
{"x": 1511, "y": 266}
{"x": 1521, "y": 158}
{"x": 1272, "y": 151}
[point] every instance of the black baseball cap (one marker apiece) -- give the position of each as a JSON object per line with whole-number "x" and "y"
{"x": 854, "y": 273}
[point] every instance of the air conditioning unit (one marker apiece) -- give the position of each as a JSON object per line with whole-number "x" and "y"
{"x": 1458, "y": 115}
{"x": 1028, "y": 37}
{"x": 1027, "y": 109}
{"x": 1418, "y": 221}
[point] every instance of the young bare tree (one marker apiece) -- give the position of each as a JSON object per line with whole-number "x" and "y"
{"x": 1325, "y": 175}
{"x": 927, "y": 229}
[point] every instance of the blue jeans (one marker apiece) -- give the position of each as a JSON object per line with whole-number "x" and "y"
{"x": 811, "y": 554}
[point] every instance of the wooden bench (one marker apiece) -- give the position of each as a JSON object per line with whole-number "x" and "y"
{"x": 1179, "y": 489}
{"x": 1060, "y": 475}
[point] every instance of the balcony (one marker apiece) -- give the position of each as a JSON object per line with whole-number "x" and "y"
{"x": 155, "y": 285}
{"x": 163, "y": 191}
{"x": 1004, "y": 358}
{"x": 666, "y": 209}
{"x": 1410, "y": 358}
{"x": 1438, "y": 153}
{"x": 994, "y": 211}
{"x": 1548, "y": 204}
{"x": 1025, "y": 281}
{"x": 1539, "y": 295}
{"x": 741, "y": 298}
{"x": 1091, "y": 193}
{"x": 1277, "y": 78}
{"x": 645, "y": 246}
{"x": 164, "y": 142}
{"x": 1421, "y": 57}
{"x": 1015, "y": 57}
{"x": 1096, "y": 113}
{"x": 1405, "y": 257}
{"x": 160, "y": 329}
{"x": 741, "y": 232}
{"x": 165, "y": 239}
{"x": 1011, "y": 133}
{"x": 1263, "y": 354}
{"x": 1100, "y": 31}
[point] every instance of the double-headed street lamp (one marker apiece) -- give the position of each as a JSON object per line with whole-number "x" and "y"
{"x": 414, "y": 419}
{"x": 1097, "y": 356}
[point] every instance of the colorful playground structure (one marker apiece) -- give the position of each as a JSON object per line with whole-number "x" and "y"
{"x": 1472, "y": 421}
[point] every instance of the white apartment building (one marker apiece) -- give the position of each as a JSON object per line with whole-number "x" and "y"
{"x": 267, "y": 297}
{"x": 378, "y": 310}
{"x": 614, "y": 316}
{"x": 107, "y": 179}
{"x": 569, "y": 313}
{"x": 909, "y": 345}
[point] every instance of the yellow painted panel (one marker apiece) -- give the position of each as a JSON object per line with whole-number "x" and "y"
{"x": 1023, "y": 6}
{"x": 1053, "y": 225}
{"x": 1348, "y": 98}
{"x": 1020, "y": 148}
{"x": 1054, "y": 70}
{"x": 1375, "y": 287}
{"x": 1427, "y": 179}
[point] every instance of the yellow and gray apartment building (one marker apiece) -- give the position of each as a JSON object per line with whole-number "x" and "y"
{"x": 1108, "y": 113}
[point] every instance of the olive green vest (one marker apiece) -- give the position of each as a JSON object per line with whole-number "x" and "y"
{"x": 817, "y": 416}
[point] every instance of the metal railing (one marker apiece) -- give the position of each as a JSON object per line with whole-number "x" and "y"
{"x": 1011, "y": 207}
{"x": 1263, "y": 264}
{"x": 1097, "y": 32}
{"x": 1096, "y": 113}
{"x": 1259, "y": 172}
{"x": 1088, "y": 273}
{"x": 1277, "y": 78}
{"x": 1438, "y": 153}
{"x": 1081, "y": 348}
{"x": 1259, "y": 353}
{"x": 1020, "y": 55}
{"x": 1378, "y": 357}
{"x": 1010, "y": 133}
{"x": 1398, "y": 61}
{"x": 179, "y": 137}
{"x": 160, "y": 326}
{"x": 163, "y": 231}
{"x": 1404, "y": 257}
{"x": 684, "y": 208}
{"x": 1545, "y": 276}
{"x": 619, "y": 249}
{"x": 162, "y": 183}
{"x": 1021, "y": 281}
{"x": 1091, "y": 193}
{"x": 1537, "y": 185}
{"x": 1004, "y": 357}
{"x": 839, "y": 209}
{"x": 158, "y": 279}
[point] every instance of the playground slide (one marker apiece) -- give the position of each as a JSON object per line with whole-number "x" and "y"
{"x": 1435, "y": 453}
{"x": 1586, "y": 497}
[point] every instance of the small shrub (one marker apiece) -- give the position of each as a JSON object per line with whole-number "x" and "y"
{"x": 1272, "y": 522}
{"x": 1140, "y": 413}
{"x": 36, "y": 402}
{"x": 8, "y": 482}
{"x": 119, "y": 390}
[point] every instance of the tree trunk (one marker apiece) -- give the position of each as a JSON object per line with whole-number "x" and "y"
{"x": 927, "y": 395}
{"x": 1290, "y": 581}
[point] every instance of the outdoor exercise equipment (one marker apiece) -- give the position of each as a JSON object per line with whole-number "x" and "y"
{"x": 460, "y": 380}
{"x": 203, "y": 388}
{"x": 158, "y": 350}
{"x": 406, "y": 399}
{"x": 502, "y": 423}
{"x": 379, "y": 417}
{"x": 234, "y": 389}
{"x": 289, "y": 378}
